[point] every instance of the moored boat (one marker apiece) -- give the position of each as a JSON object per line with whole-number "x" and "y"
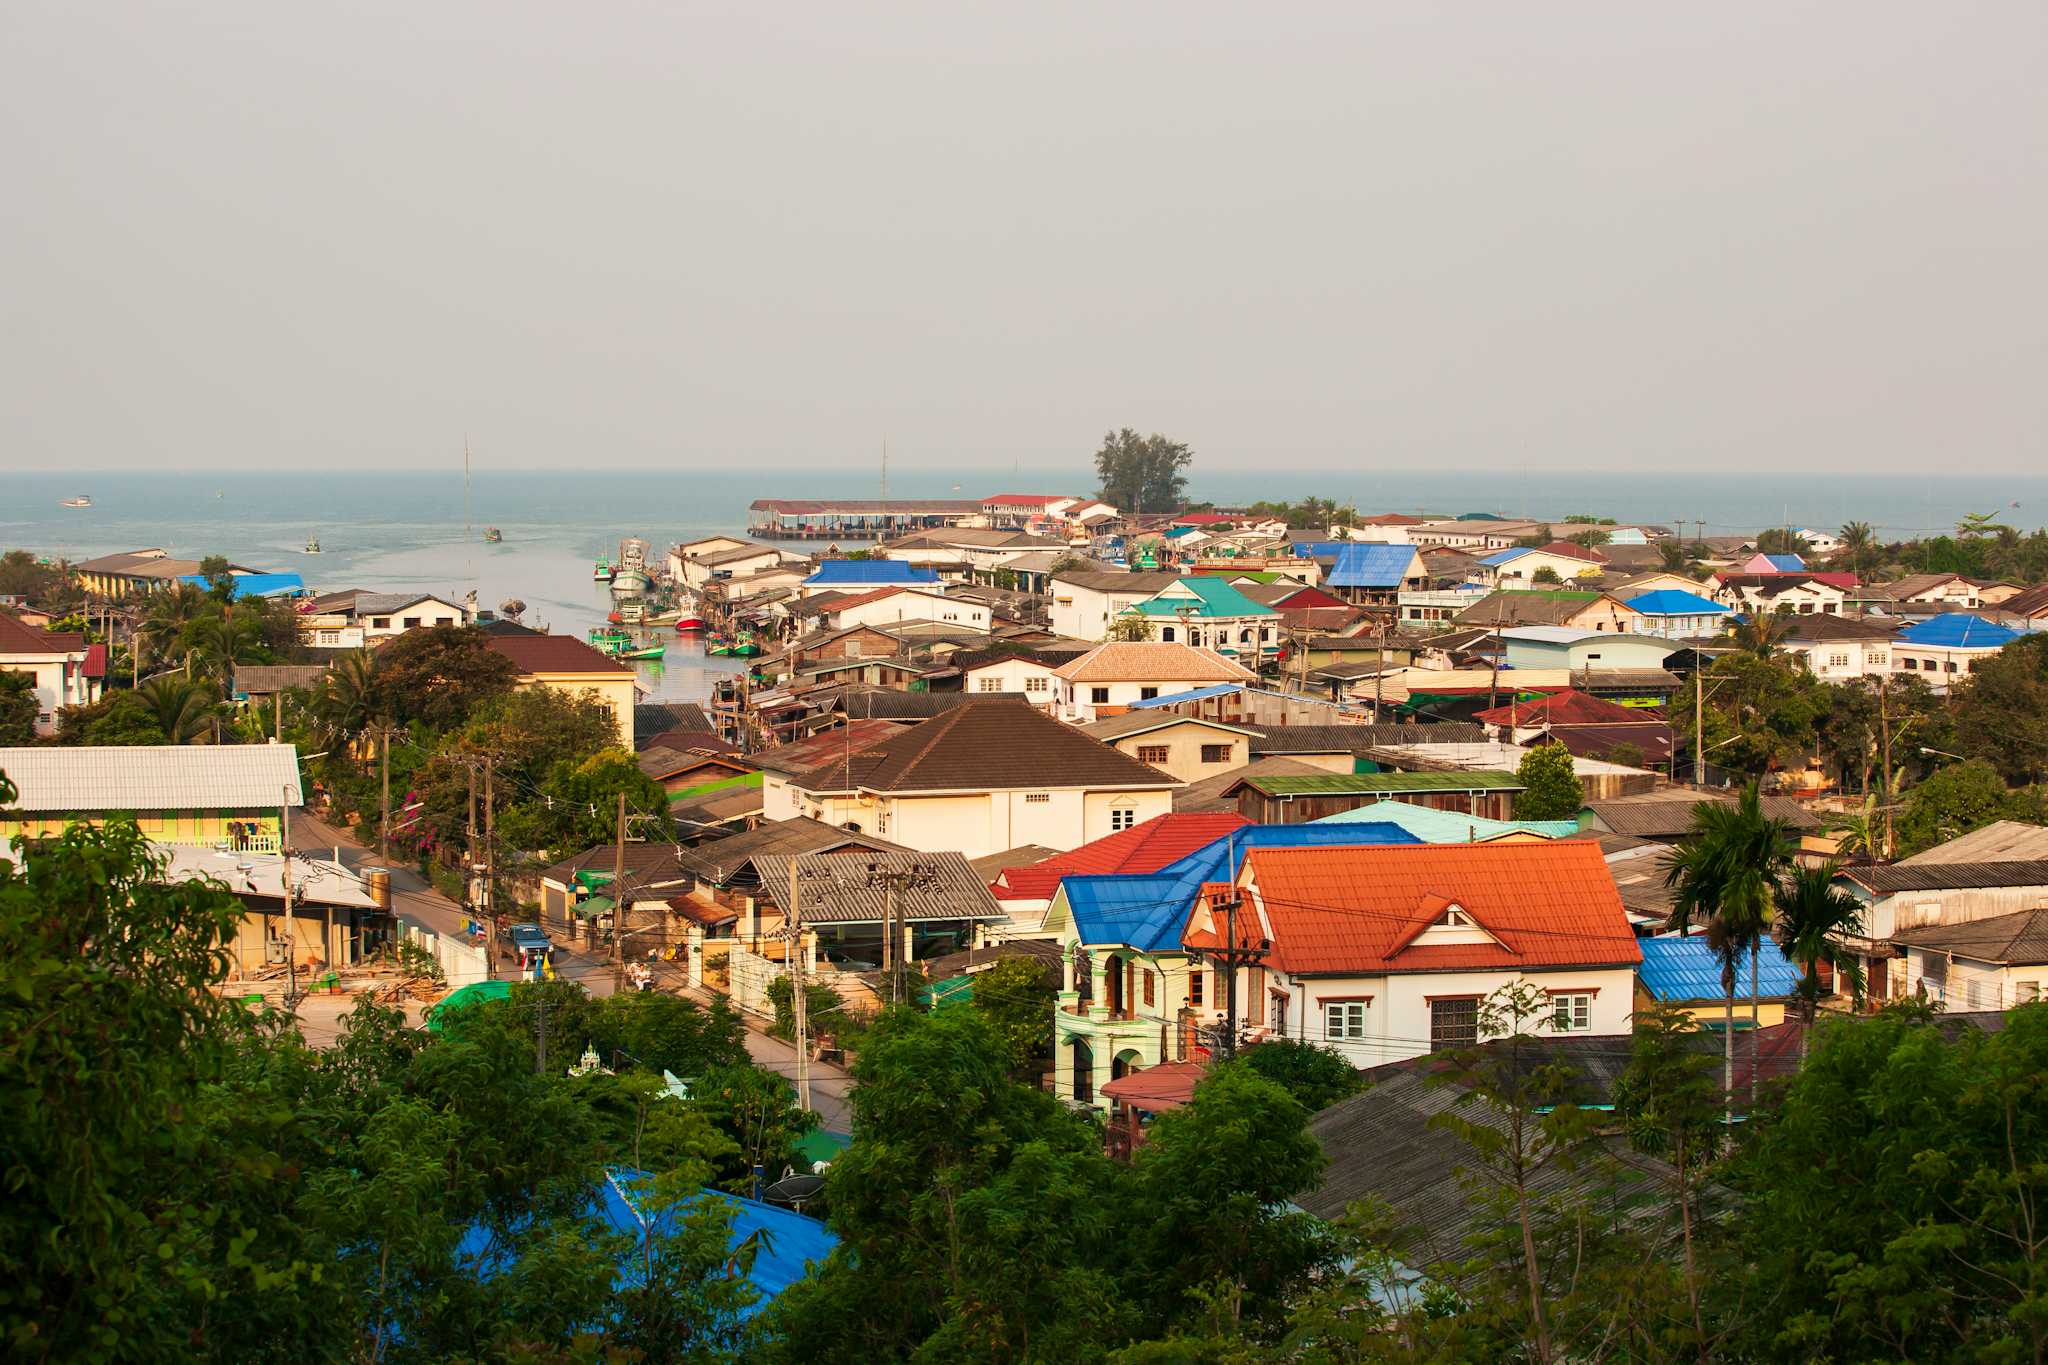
{"x": 601, "y": 572}
{"x": 690, "y": 625}
{"x": 492, "y": 535}
{"x": 653, "y": 651}
{"x": 80, "y": 501}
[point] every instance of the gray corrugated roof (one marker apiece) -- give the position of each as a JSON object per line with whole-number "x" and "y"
{"x": 1949, "y": 876}
{"x": 2001, "y": 841}
{"x": 839, "y": 888}
{"x": 154, "y": 777}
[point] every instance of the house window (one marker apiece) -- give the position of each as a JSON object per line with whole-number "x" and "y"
{"x": 1122, "y": 817}
{"x": 1034, "y": 684}
{"x": 1344, "y": 1019}
{"x": 1876, "y": 660}
{"x": 988, "y": 685}
{"x": 1148, "y": 986}
{"x": 1571, "y": 1012}
{"x": 1196, "y": 978}
{"x": 412, "y": 623}
{"x": 1037, "y": 798}
{"x": 1098, "y": 696}
{"x": 1166, "y": 634}
{"x": 1838, "y": 661}
{"x": 1453, "y": 1023}
{"x": 1215, "y": 753}
{"x": 1154, "y": 753}
{"x": 1147, "y": 693}
{"x": 380, "y": 623}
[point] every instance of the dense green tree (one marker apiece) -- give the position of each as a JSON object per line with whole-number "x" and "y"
{"x": 116, "y": 718}
{"x": 1724, "y": 878}
{"x": 19, "y": 707}
{"x": 1814, "y": 916}
{"x": 438, "y": 676}
{"x": 171, "y": 613}
{"x": 580, "y": 802}
{"x": 1309, "y": 514}
{"x": 1132, "y": 628}
{"x": 1760, "y": 713}
{"x": 23, "y": 575}
{"x": 1859, "y": 552}
{"x": 1142, "y": 473}
{"x": 1316, "y": 1076}
{"x": 2001, "y": 711}
{"x": 347, "y": 701}
{"x": 1016, "y": 997}
{"x": 1957, "y": 799}
{"x": 1592, "y": 539}
{"x": 1934, "y": 1136}
{"x": 1551, "y": 790}
{"x": 1779, "y": 540}
{"x": 216, "y": 641}
{"x": 1545, "y": 577}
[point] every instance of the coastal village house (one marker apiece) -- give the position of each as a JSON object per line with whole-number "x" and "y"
{"x": 1117, "y": 676}
{"x": 1683, "y": 971}
{"x": 136, "y": 572}
{"x": 894, "y": 606}
{"x": 1384, "y": 953}
{"x": 1520, "y": 567}
{"x": 1187, "y": 747}
{"x": 983, "y": 777}
{"x": 1572, "y": 609}
{"x": 208, "y": 796}
{"x": 569, "y": 665}
{"x": 1376, "y": 574}
{"x": 1836, "y": 648}
{"x": 1926, "y": 905}
{"x": 866, "y": 575}
{"x": 1997, "y": 963}
{"x": 1677, "y": 615}
{"x": 1947, "y": 647}
{"x": 1084, "y": 602}
{"x": 1574, "y": 649}
{"x": 1210, "y": 614}
{"x": 63, "y": 670}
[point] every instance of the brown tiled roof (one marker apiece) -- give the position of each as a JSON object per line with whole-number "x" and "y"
{"x": 2032, "y": 602}
{"x": 1524, "y": 608}
{"x": 1669, "y": 813}
{"x": 1949, "y": 876}
{"x": 1822, "y": 626}
{"x": 985, "y": 746}
{"x": 16, "y": 637}
{"x": 1145, "y": 580}
{"x": 552, "y": 654}
{"x": 836, "y": 887}
{"x": 2018, "y": 940}
{"x": 806, "y": 754}
{"x": 730, "y": 860}
{"x": 1152, "y": 661}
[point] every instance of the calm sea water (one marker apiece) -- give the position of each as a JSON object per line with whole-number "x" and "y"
{"x": 389, "y": 531}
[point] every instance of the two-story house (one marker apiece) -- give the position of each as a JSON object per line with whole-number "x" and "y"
{"x": 63, "y": 670}
{"x": 214, "y": 796}
{"x": 1385, "y": 953}
{"x": 569, "y": 665}
{"x": 1208, "y": 613}
{"x": 1116, "y": 676}
{"x": 982, "y": 778}
{"x": 1945, "y": 648}
{"x": 1521, "y": 566}
{"x": 1837, "y": 648}
{"x": 1676, "y": 614}
{"x": 1086, "y": 601}
{"x": 895, "y": 606}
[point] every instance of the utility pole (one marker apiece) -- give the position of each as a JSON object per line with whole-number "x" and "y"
{"x": 799, "y": 993}
{"x": 284, "y": 864}
{"x": 1884, "y": 726}
{"x": 894, "y": 881}
{"x": 619, "y": 899}
{"x": 540, "y": 1045}
{"x": 384, "y": 799}
{"x": 490, "y": 891}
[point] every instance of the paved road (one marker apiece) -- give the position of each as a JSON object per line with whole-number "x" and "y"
{"x": 413, "y": 896}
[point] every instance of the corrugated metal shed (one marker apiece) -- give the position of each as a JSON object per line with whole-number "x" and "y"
{"x": 141, "y": 777}
{"x": 848, "y": 888}
{"x": 1949, "y": 876}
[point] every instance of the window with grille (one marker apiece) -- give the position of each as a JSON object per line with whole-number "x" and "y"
{"x": 1147, "y": 693}
{"x": 1120, "y": 817}
{"x": 1148, "y": 986}
{"x": 1215, "y": 753}
{"x": 1571, "y": 1013}
{"x": 1153, "y": 753}
{"x": 1344, "y": 1019}
{"x": 1196, "y": 985}
{"x": 988, "y": 684}
{"x": 1036, "y": 798}
{"x": 1034, "y": 684}
{"x": 1453, "y": 1023}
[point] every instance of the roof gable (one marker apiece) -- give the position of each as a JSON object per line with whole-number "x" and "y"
{"x": 986, "y": 746}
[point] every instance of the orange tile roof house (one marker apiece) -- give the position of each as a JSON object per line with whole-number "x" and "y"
{"x": 1385, "y": 951}
{"x": 1111, "y": 678}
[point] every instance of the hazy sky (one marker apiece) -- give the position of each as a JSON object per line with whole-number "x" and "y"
{"x": 1588, "y": 235}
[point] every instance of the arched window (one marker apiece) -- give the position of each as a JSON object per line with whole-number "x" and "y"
{"x": 1084, "y": 1073}
{"x": 1166, "y": 634}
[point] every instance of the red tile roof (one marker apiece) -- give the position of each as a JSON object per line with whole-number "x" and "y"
{"x": 1153, "y": 1089}
{"x": 18, "y": 637}
{"x": 1569, "y": 708}
{"x": 1142, "y": 848}
{"x": 1353, "y": 910}
{"x": 1572, "y": 551}
{"x": 1021, "y": 499}
{"x": 552, "y": 654}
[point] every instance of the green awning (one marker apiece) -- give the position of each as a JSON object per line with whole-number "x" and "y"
{"x": 593, "y": 907}
{"x": 590, "y": 881}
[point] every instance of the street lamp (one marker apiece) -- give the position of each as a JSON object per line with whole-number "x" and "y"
{"x": 1942, "y": 753}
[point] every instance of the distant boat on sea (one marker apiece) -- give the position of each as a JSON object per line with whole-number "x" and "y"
{"x": 312, "y": 545}
{"x": 492, "y": 535}
{"x": 80, "y": 501}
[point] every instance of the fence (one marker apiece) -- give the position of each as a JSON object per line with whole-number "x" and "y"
{"x": 748, "y": 976}
{"x": 461, "y": 963}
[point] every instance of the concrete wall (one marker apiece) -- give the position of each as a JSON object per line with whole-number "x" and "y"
{"x": 1184, "y": 745}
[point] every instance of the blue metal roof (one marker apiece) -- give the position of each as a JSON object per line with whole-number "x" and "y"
{"x": 1786, "y": 563}
{"x": 881, "y": 572}
{"x": 1372, "y": 566}
{"x": 1147, "y": 912}
{"x": 1199, "y": 694}
{"x": 1958, "y": 630}
{"x": 1321, "y": 549}
{"x": 788, "y": 1240}
{"x": 1500, "y": 557}
{"x": 252, "y": 584}
{"x": 1675, "y": 602}
{"x": 1685, "y": 968}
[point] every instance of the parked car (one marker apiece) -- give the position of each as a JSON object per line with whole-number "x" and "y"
{"x": 530, "y": 944}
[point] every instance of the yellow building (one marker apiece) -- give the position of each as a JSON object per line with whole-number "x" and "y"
{"x": 564, "y": 662}
{"x": 228, "y": 797}
{"x": 1186, "y": 747}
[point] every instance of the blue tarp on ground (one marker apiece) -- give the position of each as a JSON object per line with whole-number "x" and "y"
{"x": 788, "y": 1241}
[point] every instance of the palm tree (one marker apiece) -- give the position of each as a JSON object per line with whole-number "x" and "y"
{"x": 1763, "y": 632}
{"x": 220, "y": 640}
{"x": 184, "y": 710}
{"x": 1857, "y": 831}
{"x": 1725, "y": 878}
{"x": 1859, "y": 543}
{"x": 347, "y": 702}
{"x": 170, "y": 612}
{"x": 1813, "y": 913}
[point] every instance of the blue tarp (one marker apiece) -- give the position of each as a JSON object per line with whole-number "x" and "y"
{"x": 1676, "y": 968}
{"x": 788, "y": 1240}
{"x": 1147, "y": 912}
{"x": 252, "y": 584}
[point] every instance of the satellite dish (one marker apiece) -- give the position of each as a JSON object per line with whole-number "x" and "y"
{"x": 793, "y": 1190}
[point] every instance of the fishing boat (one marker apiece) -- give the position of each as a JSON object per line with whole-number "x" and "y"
{"x": 602, "y": 637}
{"x": 632, "y": 612}
{"x": 690, "y": 624}
{"x": 312, "y": 545}
{"x": 492, "y": 535}
{"x": 601, "y": 572}
{"x": 80, "y": 501}
{"x": 653, "y": 651}
{"x": 629, "y": 571}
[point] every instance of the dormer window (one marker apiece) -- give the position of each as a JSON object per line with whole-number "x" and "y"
{"x": 1455, "y": 917}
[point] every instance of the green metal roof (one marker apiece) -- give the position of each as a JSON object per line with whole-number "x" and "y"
{"x": 1213, "y": 597}
{"x": 722, "y": 784}
{"x": 1344, "y": 784}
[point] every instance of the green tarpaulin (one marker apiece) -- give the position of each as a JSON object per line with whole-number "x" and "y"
{"x": 474, "y": 993}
